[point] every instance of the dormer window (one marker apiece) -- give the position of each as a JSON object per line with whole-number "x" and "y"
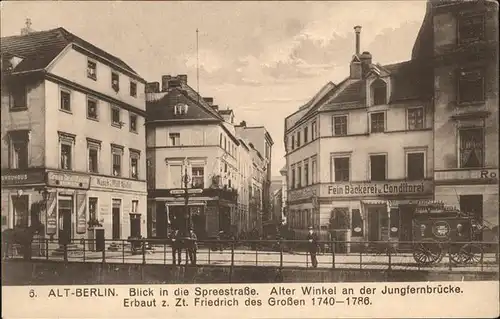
{"x": 92, "y": 70}
{"x": 115, "y": 81}
{"x": 379, "y": 92}
{"x": 180, "y": 109}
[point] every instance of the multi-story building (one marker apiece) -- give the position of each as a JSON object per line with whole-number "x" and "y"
{"x": 370, "y": 136}
{"x": 186, "y": 135}
{"x": 460, "y": 39}
{"x": 262, "y": 143}
{"x": 284, "y": 194}
{"x": 73, "y": 151}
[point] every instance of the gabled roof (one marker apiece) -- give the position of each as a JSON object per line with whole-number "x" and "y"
{"x": 163, "y": 108}
{"x": 40, "y": 48}
{"x": 199, "y": 99}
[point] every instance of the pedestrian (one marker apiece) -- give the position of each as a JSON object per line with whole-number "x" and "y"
{"x": 193, "y": 246}
{"x": 313, "y": 246}
{"x": 176, "y": 248}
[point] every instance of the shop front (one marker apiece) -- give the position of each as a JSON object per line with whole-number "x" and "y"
{"x": 118, "y": 206}
{"x": 66, "y": 205}
{"x": 473, "y": 191}
{"x": 209, "y": 211}
{"x": 22, "y": 199}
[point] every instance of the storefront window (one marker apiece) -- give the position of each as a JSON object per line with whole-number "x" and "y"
{"x": 21, "y": 216}
{"x": 357, "y": 223}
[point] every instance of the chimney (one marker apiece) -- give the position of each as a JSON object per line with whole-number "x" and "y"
{"x": 357, "y": 29}
{"x": 183, "y": 78}
{"x": 164, "y": 82}
{"x": 366, "y": 61}
{"x": 27, "y": 30}
{"x": 153, "y": 87}
{"x": 243, "y": 123}
{"x": 174, "y": 83}
{"x": 209, "y": 100}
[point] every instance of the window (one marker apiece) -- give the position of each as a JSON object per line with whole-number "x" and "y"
{"x": 133, "y": 89}
{"x": 65, "y": 101}
{"x": 394, "y": 222}
{"x": 293, "y": 142}
{"x": 180, "y": 109}
{"x": 134, "y": 164}
{"x": 471, "y": 147}
{"x": 21, "y": 210}
{"x": 377, "y": 122}
{"x": 175, "y": 139}
{"x": 471, "y": 28}
{"x": 340, "y": 125}
{"x": 379, "y": 92}
{"x": 66, "y": 156}
{"x": 19, "y": 96}
{"x": 175, "y": 176}
{"x": 314, "y": 130}
{"x": 115, "y": 116}
{"x": 197, "y": 177}
{"x": 293, "y": 178}
{"x": 66, "y": 143}
{"x": 94, "y": 147}
{"x": 415, "y": 166}
{"x": 306, "y": 174}
{"x": 298, "y": 139}
{"x": 416, "y": 118}
{"x": 93, "y": 208}
{"x": 92, "y": 70}
{"x": 115, "y": 81}
{"x": 377, "y": 167}
{"x": 313, "y": 168}
{"x": 341, "y": 166}
{"x": 305, "y": 135}
{"x": 116, "y": 155}
{"x": 471, "y": 86}
{"x": 91, "y": 108}
{"x": 135, "y": 205}
{"x": 133, "y": 123}
{"x": 19, "y": 145}
{"x": 299, "y": 176}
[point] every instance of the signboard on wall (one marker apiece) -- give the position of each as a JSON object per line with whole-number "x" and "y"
{"x": 51, "y": 214}
{"x": 375, "y": 189}
{"x": 22, "y": 178}
{"x": 81, "y": 213}
{"x": 69, "y": 180}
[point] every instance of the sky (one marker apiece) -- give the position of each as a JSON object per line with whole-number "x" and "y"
{"x": 262, "y": 59}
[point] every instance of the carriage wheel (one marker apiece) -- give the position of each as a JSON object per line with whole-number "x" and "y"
{"x": 456, "y": 255}
{"x": 427, "y": 253}
{"x": 471, "y": 253}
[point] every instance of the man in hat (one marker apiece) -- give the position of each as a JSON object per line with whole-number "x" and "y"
{"x": 312, "y": 239}
{"x": 192, "y": 246}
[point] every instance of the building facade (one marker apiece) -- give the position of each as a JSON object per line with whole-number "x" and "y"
{"x": 464, "y": 58}
{"x": 73, "y": 151}
{"x": 370, "y": 136}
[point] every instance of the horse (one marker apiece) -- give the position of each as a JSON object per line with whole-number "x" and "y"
{"x": 22, "y": 236}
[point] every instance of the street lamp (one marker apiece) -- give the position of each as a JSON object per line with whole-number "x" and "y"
{"x": 187, "y": 217}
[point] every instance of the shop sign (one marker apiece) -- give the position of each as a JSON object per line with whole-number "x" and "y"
{"x": 441, "y": 229}
{"x": 370, "y": 189}
{"x": 51, "y": 214}
{"x": 22, "y": 178}
{"x": 303, "y": 193}
{"x": 60, "y": 179}
{"x": 81, "y": 220}
{"x": 116, "y": 183}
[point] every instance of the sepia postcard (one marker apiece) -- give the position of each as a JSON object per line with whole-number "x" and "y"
{"x": 250, "y": 159}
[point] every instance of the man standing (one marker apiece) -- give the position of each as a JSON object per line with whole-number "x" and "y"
{"x": 313, "y": 246}
{"x": 193, "y": 246}
{"x": 176, "y": 248}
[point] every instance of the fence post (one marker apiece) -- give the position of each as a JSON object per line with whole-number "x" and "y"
{"x": 361, "y": 258}
{"x": 281, "y": 255}
{"x": 65, "y": 247}
{"x": 84, "y": 244}
{"x": 482, "y": 255}
{"x": 449, "y": 257}
{"x": 123, "y": 250}
{"x": 164, "y": 253}
{"x": 46, "y": 249}
{"x": 232, "y": 254}
{"x": 104, "y": 254}
{"x": 390, "y": 261}
{"x": 307, "y": 258}
{"x": 143, "y": 252}
{"x": 332, "y": 245}
{"x": 256, "y": 255}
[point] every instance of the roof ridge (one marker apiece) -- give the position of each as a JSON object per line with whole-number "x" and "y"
{"x": 31, "y": 33}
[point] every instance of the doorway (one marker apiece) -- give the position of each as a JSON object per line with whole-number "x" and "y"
{"x": 65, "y": 205}
{"x": 473, "y": 206}
{"x": 374, "y": 215}
{"x": 406, "y": 224}
{"x": 116, "y": 212}
{"x": 135, "y": 225}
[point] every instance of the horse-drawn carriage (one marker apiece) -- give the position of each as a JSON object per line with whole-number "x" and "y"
{"x": 446, "y": 231}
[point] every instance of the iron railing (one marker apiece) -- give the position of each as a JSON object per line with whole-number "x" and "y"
{"x": 473, "y": 256}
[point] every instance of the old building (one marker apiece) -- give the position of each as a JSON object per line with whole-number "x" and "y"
{"x": 73, "y": 151}
{"x": 261, "y": 142}
{"x": 370, "y": 136}
{"x": 460, "y": 41}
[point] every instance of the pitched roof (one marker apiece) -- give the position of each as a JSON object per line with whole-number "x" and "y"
{"x": 39, "y": 49}
{"x": 199, "y": 99}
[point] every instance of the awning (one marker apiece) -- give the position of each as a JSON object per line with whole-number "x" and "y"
{"x": 191, "y": 203}
{"x": 374, "y": 202}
